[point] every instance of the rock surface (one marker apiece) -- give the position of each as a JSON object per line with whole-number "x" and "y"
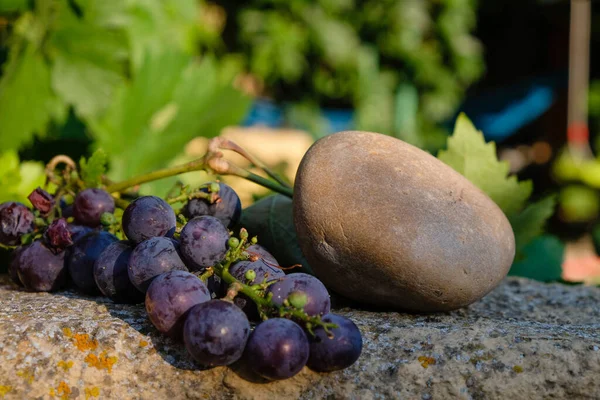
{"x": 404, "y": 229}
{"x": 525, "y": 340}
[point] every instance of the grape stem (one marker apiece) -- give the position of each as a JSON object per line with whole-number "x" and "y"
{"x": 211, "y": 162}
{"x": 256, "y": 294}
{"x": 226, "y": 144}
{"x": 190, "y": 196}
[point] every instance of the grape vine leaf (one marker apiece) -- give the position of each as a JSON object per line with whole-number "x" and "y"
{"x": 172, "y": 99}
{"x": 26, "y": 98}
{"x": 529, "y": 223}
{"x": 93, "y": 168}
{"x": 470, "y": 155}
{"x": 542, "y": 260}
{"x": 88, "y": 61}
{"x": 18, "y": 180}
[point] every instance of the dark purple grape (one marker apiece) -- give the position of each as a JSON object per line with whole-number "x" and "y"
{"x": 40, "y": 269}
{"x": 147, "y": 217}
{"x": 78, "y": 231}
{"x": 13, "y": 267}
{"x": 318, "y": 302}
{"x": 90, "y": 204}
{"x": 257, "y": 251}
{"x": 169, "y": 298}
{"x": 277, "y": 349}
{"x": 227, "y": 209}
{"x": 340, "y": 351}
{"x": 215, "y": 333}
{"x": 264, "y": 268}
{"x": 112, "y": 277}
{"x": 57, "y": 236}
{"x": 151, "y": 258}
{"x": 82, "y": 257}
{"x": 16, "y": 220}
{"x": 42, "y": 201}
{"x": 215, "y": 286}
{"x": 203, "y": 242}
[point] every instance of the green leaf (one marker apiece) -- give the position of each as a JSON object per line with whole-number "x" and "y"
{"x": 8, "y": 6}
{"x": 529, "y": 223}
{"x": 88, "y": 62}
{"x": 542, "y": 260}
{"x": 93, "y": 169}
{"x": 26, "y": 99}
{"x": 469, "y": 154}
{"x": 171, "y": 100}
{"x": 271, "y": 220}
{"x": 17, "y": 181}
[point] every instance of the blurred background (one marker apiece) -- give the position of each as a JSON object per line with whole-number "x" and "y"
{"x": 149, "y": 81}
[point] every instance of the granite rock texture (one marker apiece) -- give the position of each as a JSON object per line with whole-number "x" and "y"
{"x": 525, "y": 340}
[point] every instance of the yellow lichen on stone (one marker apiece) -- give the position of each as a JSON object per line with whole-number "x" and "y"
{"x": 67, "y": 332}
{"x": 91, "y": 392}
{"x": 143, "y": 343}
{"x": 4, "y": 389}
{"x": 62, "y": 390}
{"x": 83, "y": 342}
{"x": 518, "y": 369}
{"x": 27, "y": 375}
{"x": 103, "y": 361}
{"x": 426, "y": 361}
{"x": 65, "y": 365}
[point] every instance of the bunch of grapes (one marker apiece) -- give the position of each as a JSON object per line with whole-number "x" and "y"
{"x": 224, "y": 296}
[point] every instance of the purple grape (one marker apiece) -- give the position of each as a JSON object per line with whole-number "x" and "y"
{"x": 341, "y": 351}
{"x": 147, "y": 217}
{"x": 16, "y": 220}
{"x": 318, "y": 302}
{"x": 215, "y": 333}
{"x": 42, "y": 201}
{"x": 14, "y": 265}
{"x": 40, "y": 269}
{"x": 169, "y": 298}
{"x": 227, "y": 209}
{"x": 215, "y": 286}
{"x": 258, "y": 251}
{"x": 265, "y": 270}
{"x": 57, "y": 236}
{"x": 82, "y": 257}
{"x": 78, "y": 231}
{"x": 203, "y": 242}
{"x": 112, "y": 277}
{"x": 277, "y": 349}
{"x": 90, "y": 204}
{"x": 151, "y": 258}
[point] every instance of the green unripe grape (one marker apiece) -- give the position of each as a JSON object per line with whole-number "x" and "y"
{"x": 107, "y": 219}
{"x": 254, "y": 240}
{"x": 250, "y": 275}
{"x": 233, "y": 242}
{"x": 214, "y": 187}
{"x": 297, "y": 299}
{"x": 243, "y": 234}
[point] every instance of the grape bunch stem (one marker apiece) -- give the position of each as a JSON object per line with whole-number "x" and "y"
{"x": 214, "y": 162}
{"x": 255, "y": 293}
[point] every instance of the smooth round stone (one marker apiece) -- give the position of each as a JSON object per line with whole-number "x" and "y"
{"x": 385, "y": 223}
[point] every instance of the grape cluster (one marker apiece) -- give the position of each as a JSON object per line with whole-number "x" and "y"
{"x": 225, "y": 297}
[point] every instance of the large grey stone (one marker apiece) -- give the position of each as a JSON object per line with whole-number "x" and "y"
{"x": 525, "y": 340}
{"x": 402, "y": 228}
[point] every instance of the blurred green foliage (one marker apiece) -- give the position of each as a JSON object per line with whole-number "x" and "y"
{"x": 130, "y": 70}
{"x": 403, "y": 65}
